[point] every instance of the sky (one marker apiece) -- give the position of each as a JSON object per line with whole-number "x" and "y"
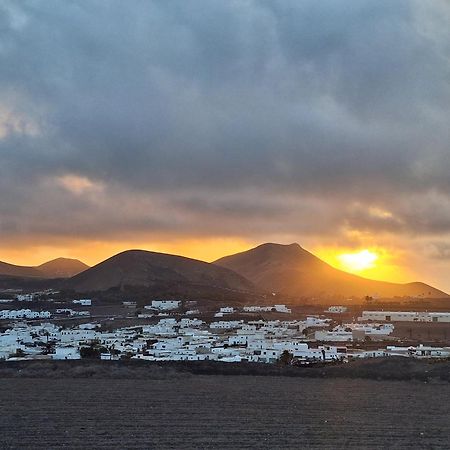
{"x": 206, "y": 127}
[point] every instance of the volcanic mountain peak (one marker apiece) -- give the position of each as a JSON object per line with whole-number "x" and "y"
{"x": 292, "y": 270}
{"x": 150, "y": 269}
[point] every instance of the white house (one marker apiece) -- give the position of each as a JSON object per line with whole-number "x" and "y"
{"x": 323, "y": 353}
{"x": 72, "y": 312}
{"x": 282, "y": 309}
{"x": 314, "y": 321}
{"x": 421, "y": 351}
{"x": 109, "y": 357}
{"x": 337, "y": 309}
{"x": 226, "y": 310}
{"x": 67, "y": 352}
{"x": 165, "y": 305}
{"x": 257, "y": 308}
{"x": 226, "y": 324}
{"x": 24, "y": 297}
{"x": 238, "y": 339}
{"x": 77, "y": 335}
{"x": 265, "y": 355}
{"x": 373, "y": 330}
{"x": 83, "y": 302}
{"x": 337, "y": 335}
{"x": 190, "y": 323}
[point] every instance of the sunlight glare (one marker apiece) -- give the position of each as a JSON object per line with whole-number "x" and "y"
{"x": 356, "y": 262}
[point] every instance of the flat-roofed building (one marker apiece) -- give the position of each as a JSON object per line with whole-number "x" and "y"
{"x": 405, "y": 316}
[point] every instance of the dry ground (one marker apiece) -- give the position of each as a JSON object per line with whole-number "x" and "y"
{"x": 223, "y": 412}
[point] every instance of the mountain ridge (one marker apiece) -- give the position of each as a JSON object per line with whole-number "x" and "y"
{"x": 285, "y": 269}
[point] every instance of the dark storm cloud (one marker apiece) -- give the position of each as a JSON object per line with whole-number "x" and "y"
{"x": 236, "y": 117}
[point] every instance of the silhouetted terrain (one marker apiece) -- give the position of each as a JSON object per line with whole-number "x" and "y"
{"x": 151, "y": 269}
{"x": 57, "y": 268}
{"x": 288, "y": 270}
{"x": 18, "y": 271}
{"x": 291, "y": 270}
{"x": 62, "y": 268}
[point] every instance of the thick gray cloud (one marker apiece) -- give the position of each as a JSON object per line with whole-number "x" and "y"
{"x": 246, "y": 118}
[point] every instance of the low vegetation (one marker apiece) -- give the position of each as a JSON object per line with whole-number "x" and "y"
{"x": 392, "y": 368}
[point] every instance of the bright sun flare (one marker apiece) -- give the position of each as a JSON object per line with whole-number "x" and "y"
{"x": 356, "y": 262}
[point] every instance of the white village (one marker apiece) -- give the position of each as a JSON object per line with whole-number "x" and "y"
{"x": 166, "y": 330}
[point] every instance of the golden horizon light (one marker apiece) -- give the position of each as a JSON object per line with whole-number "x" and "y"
{"x": 376, "y": 263}
{"x": 358, "y": 261}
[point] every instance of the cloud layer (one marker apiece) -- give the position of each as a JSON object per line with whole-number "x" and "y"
{"x": 238, "y": 118}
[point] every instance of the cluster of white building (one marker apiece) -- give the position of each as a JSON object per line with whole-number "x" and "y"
{"x": 231, "y": 341}
{"x": 252, "y": 309}
{"x": 12, "y": 314}
{"x": 350, "y": 332}
{"x": 164, "y": 305}
{"x": 274, "y": 308}
{"x": 71, "y": 312}
{"x": 405, "y": 316}
{"x": 167, "y": 340}
{"x": 192, "y": 339}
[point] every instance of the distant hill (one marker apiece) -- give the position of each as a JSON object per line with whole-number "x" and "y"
{"x": 151, "y": 269}
{"x": 58, "y": 268}
{"x": 62, "y": 268}
{"x": 293, "y": 271}
{"x": 18, "y": 271}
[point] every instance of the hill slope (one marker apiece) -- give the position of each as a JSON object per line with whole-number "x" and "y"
{"x": 291, "y": 270}
{"x": 18, "y": 271}
{"x": 58, "y": 268}
{"x": 150, "y": 269}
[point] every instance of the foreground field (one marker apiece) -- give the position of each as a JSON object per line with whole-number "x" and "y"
{"x": 223, "y": 412}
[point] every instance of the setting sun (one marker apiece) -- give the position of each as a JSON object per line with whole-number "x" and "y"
{"x": 357, "y": 262}
{"x": 376, "y": 263}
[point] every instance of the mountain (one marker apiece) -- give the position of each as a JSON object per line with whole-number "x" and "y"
{"x": 62, "y": 268}
{"x": 58, "y": 268}
{"x": 156, "y": 270}
{"x": 291, "y": 270}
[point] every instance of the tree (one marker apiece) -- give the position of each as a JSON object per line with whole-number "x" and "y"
{"x": 286, "y": 358}
{"x": 19, "y": 353}
{"x": 92, "y": 351}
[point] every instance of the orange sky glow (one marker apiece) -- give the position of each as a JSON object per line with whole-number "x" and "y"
{"x": 386, "y": 265}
